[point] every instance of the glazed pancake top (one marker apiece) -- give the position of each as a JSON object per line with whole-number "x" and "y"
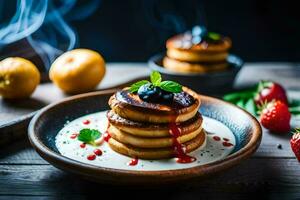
{"x": 182, "y": 102}
{"x": 185, "y": 42}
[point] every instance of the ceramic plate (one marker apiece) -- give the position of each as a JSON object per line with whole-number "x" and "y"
{"x": 232, "y": 136}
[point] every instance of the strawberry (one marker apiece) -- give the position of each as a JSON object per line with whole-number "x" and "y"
{"x": 268, "y": 91}
{"x": 276, "y": 117}
{"x": 295, "y": 144}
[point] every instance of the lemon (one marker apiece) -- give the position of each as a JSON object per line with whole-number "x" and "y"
{"x": 18, "y": 78}
{"x": 78, "y": 70}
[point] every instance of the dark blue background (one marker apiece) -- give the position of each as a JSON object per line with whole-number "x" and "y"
{"x": 133, "y": 30}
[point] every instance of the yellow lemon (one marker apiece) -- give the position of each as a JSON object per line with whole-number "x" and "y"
{"x": 18, "y": 78}
{"x": 79, "y": 70}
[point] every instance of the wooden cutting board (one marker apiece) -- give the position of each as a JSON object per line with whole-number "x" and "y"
{"x": 15, "y": 115}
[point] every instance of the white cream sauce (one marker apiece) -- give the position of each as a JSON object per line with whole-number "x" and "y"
{"x": 212, "y": 151}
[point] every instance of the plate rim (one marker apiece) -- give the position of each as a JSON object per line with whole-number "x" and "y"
{"x": 78, "y": 167}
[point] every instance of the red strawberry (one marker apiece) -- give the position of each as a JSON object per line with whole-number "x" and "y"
{"x": 295, "y": 144}
{"x": 268, "y": 91}
{"x": 276, "y": 117}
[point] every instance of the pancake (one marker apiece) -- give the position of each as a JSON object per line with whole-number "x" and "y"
{"x": 128, "y": 105}
{"x": 150, "y": 130}
{"x": 157, "y": 153}
{"x": 181, "y": 47}
{"x": 184, "y": 42}
{"x": 187, "y": 67}
{"x": 143, "y": 142}
{"x": 194, "y": 56}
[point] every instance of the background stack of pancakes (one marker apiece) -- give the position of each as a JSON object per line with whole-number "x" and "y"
{"x": 190, "y": 53}
{"x": 142, "y": 130}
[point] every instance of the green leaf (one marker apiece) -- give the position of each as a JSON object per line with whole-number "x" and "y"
{"x": 250, "y": 106}
{"x": 214, "y": 36}
{"x": 89, "y": 135}
{"x": 234, "y": 97}
{"x": 294, "y": 103}
{"x": 136, "y": 86}
{"x": 155, "y": 78}
{"x": 241, "y": 103}
{"x": 170, "y": 86}
{"x": 295, "y": 110}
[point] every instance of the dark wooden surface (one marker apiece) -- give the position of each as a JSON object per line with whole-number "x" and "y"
{"x": 271, "y": 173}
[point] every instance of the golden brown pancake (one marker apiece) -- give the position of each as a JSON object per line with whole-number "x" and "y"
{"x": 181, "y": 47}
{"x": 156, "y": 153}
{"x": 143, "y": 142}
{"x": 188, "y": 67}
{"x": 128, "y": 105}
{"x": 150, "y": 130}
{"x": 184, "y": 42}
{"x": 194, "y": 56}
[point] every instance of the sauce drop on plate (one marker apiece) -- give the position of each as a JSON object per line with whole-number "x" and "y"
{"x": 98, "y": 152}
{"x": 86, "y": 122}
{"x": 74, "y": 135}
{"x": 91, "y": 157}
{"x": 216, "y": 138}
{"x": 82, "y": 145}
{"x": 227, "y": 144}
{"x": 133, "y": 162}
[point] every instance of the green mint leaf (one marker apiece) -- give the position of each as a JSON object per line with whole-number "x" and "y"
{"x": 214, "y": 36}
{"x": 155, "y": 78}
{"x": 88, "y": 135}
{"x": 136, "y": 86}
{"x": 170, "y": 86}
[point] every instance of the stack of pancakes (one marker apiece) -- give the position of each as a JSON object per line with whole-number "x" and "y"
{"x": 141, "y": 129}
{"x": 184, "y": 55}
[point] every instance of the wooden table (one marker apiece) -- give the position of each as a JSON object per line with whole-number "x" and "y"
{"x": 271, "y": 172}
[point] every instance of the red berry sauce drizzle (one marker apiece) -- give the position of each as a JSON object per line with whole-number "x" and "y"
{"x": 181, "y": 156}
{"x": 106, "y": 135}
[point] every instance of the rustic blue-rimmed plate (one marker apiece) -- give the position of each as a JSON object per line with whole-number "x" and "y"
{"x": 50, "y": 120}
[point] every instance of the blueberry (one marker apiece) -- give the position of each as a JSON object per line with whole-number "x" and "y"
{"x": 198, "y": 34}
{"x": 167, "y": 97}
{"x": 150, "y": 93}
{"x": 200, "y": 31}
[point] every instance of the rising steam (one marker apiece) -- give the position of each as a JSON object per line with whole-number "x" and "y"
{"x": 45, "y": 25}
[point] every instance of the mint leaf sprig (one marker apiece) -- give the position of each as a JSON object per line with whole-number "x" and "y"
{"x": 89, "y": 136}
{"x": 156, "y": 80}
